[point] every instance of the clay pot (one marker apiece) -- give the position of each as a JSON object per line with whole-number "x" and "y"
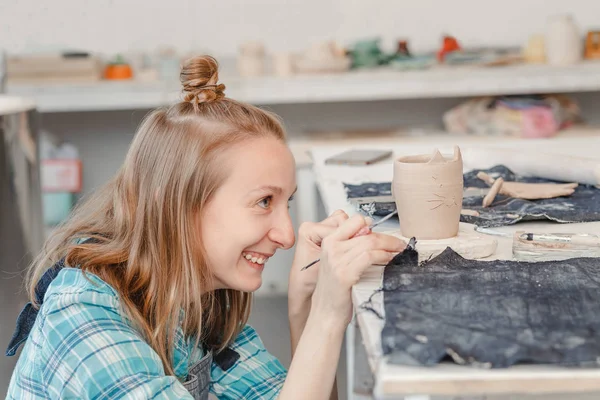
{"x": 428, "y": 190}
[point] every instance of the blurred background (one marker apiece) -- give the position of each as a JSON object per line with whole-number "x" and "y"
{"x": 76, "y": 79}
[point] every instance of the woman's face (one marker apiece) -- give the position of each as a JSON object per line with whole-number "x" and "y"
{"x": 248, "y": 218}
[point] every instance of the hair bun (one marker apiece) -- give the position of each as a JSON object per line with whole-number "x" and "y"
{"x": 199, "y": 77}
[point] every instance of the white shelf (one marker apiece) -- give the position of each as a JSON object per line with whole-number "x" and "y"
{"x": 361, "y": 85}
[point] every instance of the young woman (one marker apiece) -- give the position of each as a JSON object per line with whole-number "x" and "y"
{"x": 145, "y": 291}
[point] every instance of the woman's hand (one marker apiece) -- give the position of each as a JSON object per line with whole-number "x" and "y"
{"x": 346, "y": 247}
{"x": 345, "y": 255}
{"x": 308, "y": 248}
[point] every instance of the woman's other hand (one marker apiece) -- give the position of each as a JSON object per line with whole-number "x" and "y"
{"x": 308, "y": 249}
{"x": 345, "y": 254}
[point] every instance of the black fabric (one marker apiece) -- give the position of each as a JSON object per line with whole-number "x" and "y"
{"x": 491, "y": 313}
{"x": 28, "y": 315}
{"x": 226, "y": 358}
{"x": 582, "y": 206}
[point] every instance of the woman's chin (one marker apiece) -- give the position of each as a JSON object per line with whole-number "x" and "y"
{"x": 251, "y": 276}
{"x": 248, "y": 285}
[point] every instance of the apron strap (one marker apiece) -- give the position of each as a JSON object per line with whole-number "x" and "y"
{"x": 27, "y": 316}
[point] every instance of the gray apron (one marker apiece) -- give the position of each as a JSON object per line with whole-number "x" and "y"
{"x": 198, "y": 379}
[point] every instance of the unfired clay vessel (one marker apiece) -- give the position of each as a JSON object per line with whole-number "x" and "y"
{"x": 564, "y": 45}
{"x": 428, "y": 190}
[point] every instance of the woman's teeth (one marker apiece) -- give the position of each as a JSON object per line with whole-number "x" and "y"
{"x": 256, "y": 260}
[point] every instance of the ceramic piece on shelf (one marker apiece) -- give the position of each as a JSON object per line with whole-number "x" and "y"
{"x": 147, "y": 75}
{"x": 322, "y": 58}
{"x": 367, "y": 54}
{"x": 250, "y": 66}
{"x": 428, "y": 191}
{"x": 592, "y": 45}
{"x": 251, "y": 59}
{"x": 402, "y": 48}
{"x": 141, "y": 64}
{"x": 283, "y": 64}
{"x": 405, "y": 63}
{"x": 332, "y": 65}
{"x": 252, "y": 49}
{"x": 564, "y": 46}
{"x": 449, "y": 44}
{"x": 118, "y": 69}
{"x": 485, "y": 57}
{"x": 168, "y": 64}
{"x": 465, "y": 57}
{"x": 535, "y": 50}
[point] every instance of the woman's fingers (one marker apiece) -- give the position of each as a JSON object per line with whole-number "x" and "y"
{"x": 316, "y": 232}
{"x": 353, "y": 264}
{"x": 374, "y": 241}
{"x": 348, "y": 228}
{"x": 336, "y": 218}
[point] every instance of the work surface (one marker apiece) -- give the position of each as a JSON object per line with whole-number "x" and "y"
{"x": 450, "y": 379}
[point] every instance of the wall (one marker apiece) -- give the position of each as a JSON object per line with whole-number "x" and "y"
{"x": 110, "y": 26}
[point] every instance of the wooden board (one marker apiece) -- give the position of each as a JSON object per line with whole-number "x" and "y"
{"x": 468, "y": 244}
{"x": 393, "y": 380}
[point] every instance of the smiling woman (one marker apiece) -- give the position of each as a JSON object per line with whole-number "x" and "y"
{"x": 253, "y": 203}
{"x": 145, "y": 291}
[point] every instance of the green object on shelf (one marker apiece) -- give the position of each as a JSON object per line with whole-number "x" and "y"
{"x": 118, "y": 60}
{"x": 366, "y": 53}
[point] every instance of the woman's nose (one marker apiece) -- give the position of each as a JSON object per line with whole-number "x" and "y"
{"x": 283, "y": 232}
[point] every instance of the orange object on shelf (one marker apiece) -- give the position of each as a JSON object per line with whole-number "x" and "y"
{"x": 118, "y": 70}
{"x": 450, "y": 44}
{"x": 592, "y": 45}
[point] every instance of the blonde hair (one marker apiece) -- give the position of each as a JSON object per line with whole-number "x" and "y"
{"x": 144, "y": 223}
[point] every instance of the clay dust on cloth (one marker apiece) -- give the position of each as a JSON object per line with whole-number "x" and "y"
{"x": 491, "y": 314}
{"x": 582, "y": 206}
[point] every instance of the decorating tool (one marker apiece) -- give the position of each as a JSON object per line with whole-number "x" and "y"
{"x": 577, "y": 239}
{"x": 542, "y": 246}
{"x": 531, "y": 246}
{"x": 382, "y": 220}
{"x": 488, "y": 231}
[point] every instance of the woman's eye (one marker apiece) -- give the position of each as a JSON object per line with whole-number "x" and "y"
{"x": 266, "y": 202}
{"x": 289, "y": 200}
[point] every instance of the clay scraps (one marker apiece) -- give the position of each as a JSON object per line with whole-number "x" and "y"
{"x": 524, "y": 190}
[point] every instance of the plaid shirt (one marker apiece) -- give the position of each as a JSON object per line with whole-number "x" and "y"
{"x": 81, "y": 347}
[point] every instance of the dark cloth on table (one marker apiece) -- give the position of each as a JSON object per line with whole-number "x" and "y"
{"x": 491, "y": 313}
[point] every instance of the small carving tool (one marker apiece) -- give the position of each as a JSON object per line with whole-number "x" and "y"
{"x": 382, "y": 220}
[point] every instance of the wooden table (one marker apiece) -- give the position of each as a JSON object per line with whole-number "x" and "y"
{"x": 448, "y": 380}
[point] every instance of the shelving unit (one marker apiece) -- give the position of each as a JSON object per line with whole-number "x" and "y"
{"x": 360, "y": 85}
{"x": 347, "y": 94}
